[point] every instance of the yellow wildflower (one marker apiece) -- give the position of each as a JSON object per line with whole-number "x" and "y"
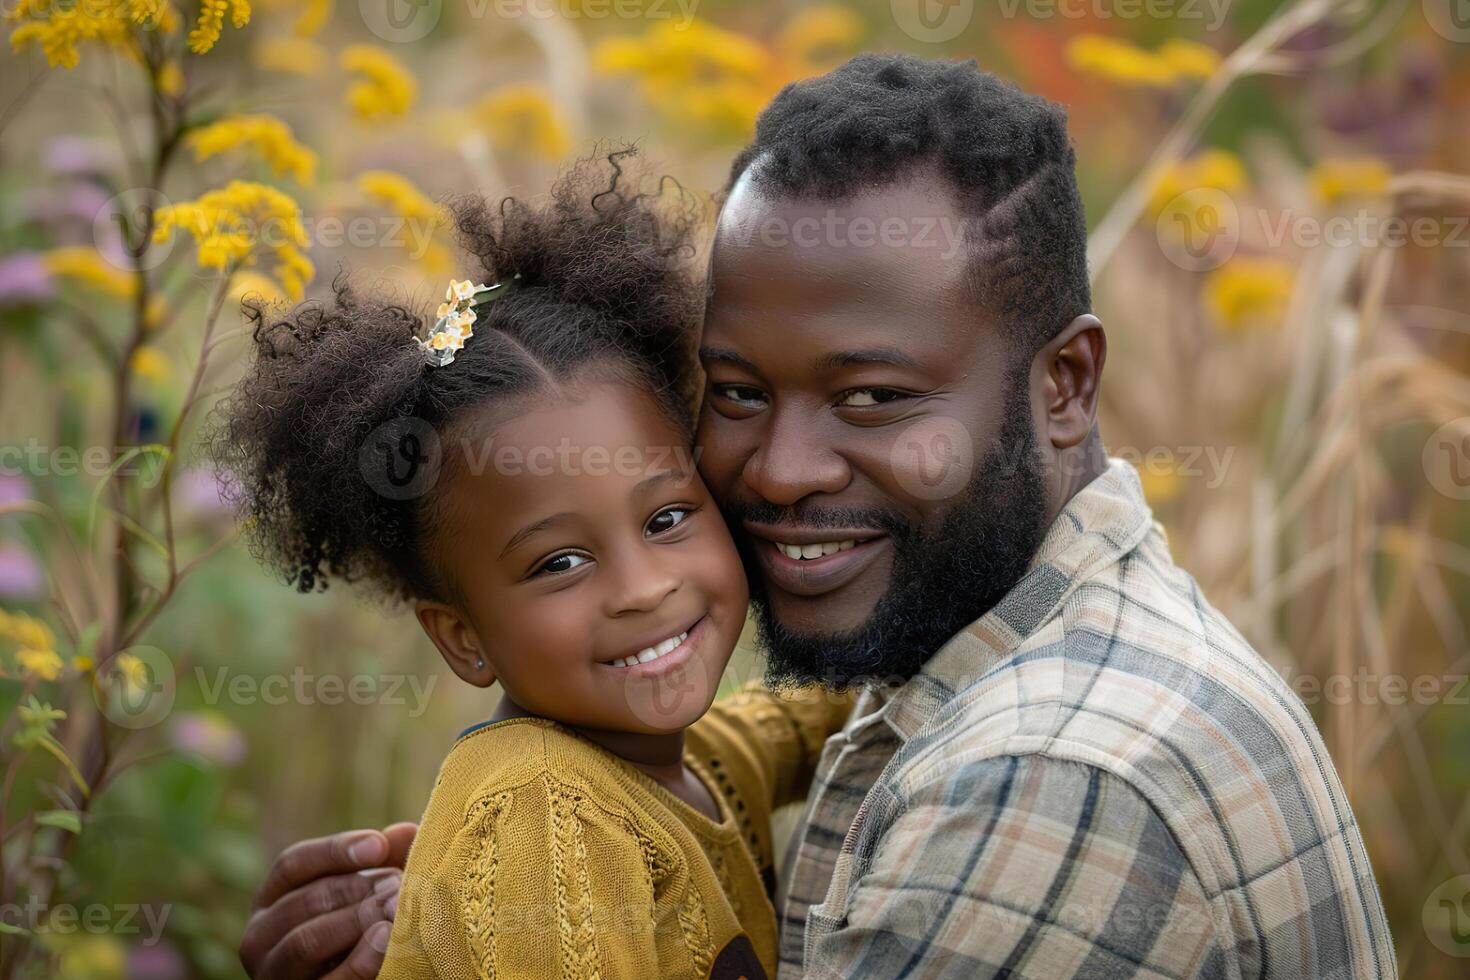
{"x": 1216, "y": 169}
{"x": 151, "y": 363}
{"x": 1128, "y": 64}
{"x": 668, "y": 55}
{"x": 42, "y": 664}
{"x": 398, "y": 193}
{"x": 230, "y": 224}
{"x": 93, "y": 957}
{"x": 1338, "y": 178}
{"x": 58, "y": 28}
{"x": 401, "y": 197}
{"x": 314, "y": 16}
{"x": 436, "y": 259}
{"x": 699, "y": 74}
{"x": 211, "y": 22}
{"x": 1119, "y": 61}
{"x": 27, "y": 631}
{"x": 731, "y": 106}
{"x": 86, "y": 266}
{"x": 524, "y": 116}
{"x": 171, "y": 79}
{"x": 1190, "y": 59}
{"x": 266, "y": 135}
{"x": 1159, "y": 478}
{"x": 386, "y": 88}
{"x": 83, "y": 664}
{"x": 1248, "y": 292}
{"x": 814, "y": 34}
{"x": 131, "y": 670}
{"x": 290, "y": 55}
{"x": 155, "y": 311}
{"x": 248, "y": 282}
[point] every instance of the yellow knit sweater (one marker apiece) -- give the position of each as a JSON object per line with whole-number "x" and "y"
{"x": 541, "y": 854}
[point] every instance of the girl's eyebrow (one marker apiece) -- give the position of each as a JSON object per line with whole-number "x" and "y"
{"x": 660, "y": 477}
{"x": 536, "y": 527}
{"x": 545, "y": 523}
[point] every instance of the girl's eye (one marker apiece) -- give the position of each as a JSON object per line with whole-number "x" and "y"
{"x": 744, "y": 394}
{"x": 561, "y": 564}
{"x": 868, "y": 397}
{"x": 667, "y": 520}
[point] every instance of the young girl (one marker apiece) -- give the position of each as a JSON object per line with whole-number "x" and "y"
{"x": 521, "y": 475}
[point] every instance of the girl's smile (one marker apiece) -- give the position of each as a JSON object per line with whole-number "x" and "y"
{"x": 668, "y": 653}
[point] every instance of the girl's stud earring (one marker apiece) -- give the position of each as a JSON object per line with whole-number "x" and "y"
{"x": 479, "y": 664}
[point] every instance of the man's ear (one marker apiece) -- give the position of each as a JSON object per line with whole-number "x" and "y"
{"x": 457, "y": 641}
{"x": 1073, "y": 362}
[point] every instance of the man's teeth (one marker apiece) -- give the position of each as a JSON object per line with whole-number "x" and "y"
{"x": 806, "y": 552}
{"x": 652, "y": 653}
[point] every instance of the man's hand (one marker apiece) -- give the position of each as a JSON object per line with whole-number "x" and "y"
{"x": 327, "y": 907}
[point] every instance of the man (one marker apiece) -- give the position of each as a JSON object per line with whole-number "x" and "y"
{"x": 1064, "y": 762}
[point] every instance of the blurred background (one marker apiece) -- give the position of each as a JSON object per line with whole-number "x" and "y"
{"x": 1280, "y": 238}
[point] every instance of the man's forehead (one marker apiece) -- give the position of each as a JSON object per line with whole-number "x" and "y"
{"x": 919, "y": 197}
{"x": 896, "y": 253}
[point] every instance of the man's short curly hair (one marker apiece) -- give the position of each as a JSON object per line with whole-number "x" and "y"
{"x": 604, "y": 283}
{"x": 879, "y": 118}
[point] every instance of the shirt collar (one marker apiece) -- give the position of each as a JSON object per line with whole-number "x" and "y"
{"x": 1104, "y": 521}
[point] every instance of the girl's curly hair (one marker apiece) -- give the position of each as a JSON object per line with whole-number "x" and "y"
{"x": 325, "y": 446}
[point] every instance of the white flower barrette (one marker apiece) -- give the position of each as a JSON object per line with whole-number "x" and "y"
{"x": 456, "y": 318}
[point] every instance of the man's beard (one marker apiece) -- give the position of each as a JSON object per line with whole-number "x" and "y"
{"x": 940, "y": 582}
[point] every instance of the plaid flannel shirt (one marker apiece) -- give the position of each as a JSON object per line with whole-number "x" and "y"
{"x": 1099, "y": 778}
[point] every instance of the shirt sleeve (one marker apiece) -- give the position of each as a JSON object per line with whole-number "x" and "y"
{"x": 1015, "y": 867}
{"x": 539, "y": 882}
{"x": 780, "y": 737}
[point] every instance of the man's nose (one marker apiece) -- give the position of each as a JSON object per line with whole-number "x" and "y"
{"x": 794, "y": 461}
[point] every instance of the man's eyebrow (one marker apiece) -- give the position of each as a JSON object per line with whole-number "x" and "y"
{"x": 890, "y": 356}
{"x": 723, "y": 355}
{"x": 536, "y": 527}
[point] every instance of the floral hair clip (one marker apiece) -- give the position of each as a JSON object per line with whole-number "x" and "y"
{"x": 456, "y": 318}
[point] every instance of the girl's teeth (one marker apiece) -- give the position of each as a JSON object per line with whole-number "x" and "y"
{"x": 652, "y": 653}
{"x": 806, "y": 552}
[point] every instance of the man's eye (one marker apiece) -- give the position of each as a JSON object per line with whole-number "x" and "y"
{"x": 746, "y": 394}
{"x": 867, "y": 397}
{"x": 668, "y": 519}
{"x": 561, "y": 564}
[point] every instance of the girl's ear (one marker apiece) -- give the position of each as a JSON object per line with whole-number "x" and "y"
{"x": 457, "y": 641}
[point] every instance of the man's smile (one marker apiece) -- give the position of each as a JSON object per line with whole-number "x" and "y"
{"x": 815, "y": 561}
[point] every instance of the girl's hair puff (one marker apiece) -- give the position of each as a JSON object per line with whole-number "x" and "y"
{"x": 319, "y": 442}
